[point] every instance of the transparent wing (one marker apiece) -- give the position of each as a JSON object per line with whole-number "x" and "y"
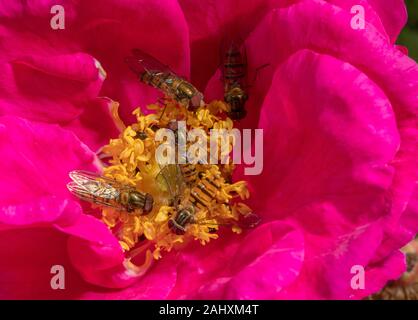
{"x": 94, "y": 188}
{"x": 93, "y": 180}
{"x": 84, "y": 195}
{"x": 170, "y": 179}
{"x": 141, "y": 62}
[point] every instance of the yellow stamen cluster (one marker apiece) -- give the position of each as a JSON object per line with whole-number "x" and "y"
{"x": 133, "y": 162}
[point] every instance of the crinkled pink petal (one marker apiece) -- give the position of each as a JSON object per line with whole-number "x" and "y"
{"x": 393, "y": 15}
{"x": 342, "y": 160}
{"x": 389, "y": 17}
{"x": 284, "y": 32}
{"x": 255, "y": 265}
{"x": 38, "y": 158}
{"x": 370, "y": 15}
{"x": 40, "y": 211}
{"x": 393, "y": 72}
{"x": 268, "y": 259}
{"x": 105, "y": 30}
{"x": 95, "y": 126}
{"x": 101, "y": 262}
{"x": 328, "y": 270}
{"x": 157, "y": 27}
{"x": 34, "y": 251}
{"x": 41, "y": 84}
{"x": 397, "y": 234}
{"x": 41, "y": 89}
{"x": 27, "y": 256}
{"x": 105, "y": 266}
{"x": 329, "y": 168}
{"x": 203, "y": 264}
{"x": 227, "y": 21}
{"x": 93, "y": 251}
{"x": 213, "y": 24}
{"x": 336, "y": 138}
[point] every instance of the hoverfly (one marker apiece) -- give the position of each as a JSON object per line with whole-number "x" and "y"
{"x": 234, "y": 71}
{"x": 189, "y": 171}
{"x": 91, "y": 187}
{"x": 202, "y": 195}
{"x": 234, "y": 75}
{"x": 154, "y": 73}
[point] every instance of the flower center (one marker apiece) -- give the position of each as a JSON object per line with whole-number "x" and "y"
{"x": 189, "y": 201}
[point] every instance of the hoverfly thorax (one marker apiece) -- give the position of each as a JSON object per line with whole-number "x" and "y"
{"x": 183, "y": 218}
{"x": 139, "y": 201}
{"x": 236, "y": 98}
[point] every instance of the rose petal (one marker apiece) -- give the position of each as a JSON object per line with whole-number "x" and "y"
{"x": 329, "y": 167}
{"x": 337, "y": 138}
{"x": 28, "y": 254}
{"x": 103, "y": 265}
{"x": 37, "y": 158}
{"x": 107, "y": 30}
{"x": 95, "y": 120}
{"x": 42, "y": 84}
{"x": 212, "y": 23}
{"x": 393, "y": 15}
{"x": 254, "y": 266}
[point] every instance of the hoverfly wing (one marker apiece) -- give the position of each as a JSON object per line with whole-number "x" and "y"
{"x": 163, "y": 181}
{"x": 83, "y": 177}
{"x": 87, "y": 187}
{"x": 91, "y": 187}
{"x": 170, "y": 179}
{"x": 135, "y": 65}
{"x": 180, "y": 180}
{"x": 148, "y": 63}
{"x": 85, "y": 195}
{"x": 78, "y": 190}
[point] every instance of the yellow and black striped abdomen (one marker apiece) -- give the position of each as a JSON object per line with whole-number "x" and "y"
{"x": 189, "y": 173}
{"x": 205, "y": 192}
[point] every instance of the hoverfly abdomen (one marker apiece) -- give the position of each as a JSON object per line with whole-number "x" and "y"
{"x": 204, "y": 193}
{"x": 189, "y": 173}
{"x": 179, "y": 223}
{"x": 234, "y": 73}
{"x": 154, "y": 73}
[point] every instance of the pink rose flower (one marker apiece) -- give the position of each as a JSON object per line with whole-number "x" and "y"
{"x": 339, "y": 111}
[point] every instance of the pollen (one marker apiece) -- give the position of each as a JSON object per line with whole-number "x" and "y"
{"x": 210, "y": 201}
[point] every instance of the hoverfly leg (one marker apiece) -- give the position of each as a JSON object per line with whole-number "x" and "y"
{"x": 257, "y": 70}
{"x": 162, "y": 113}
